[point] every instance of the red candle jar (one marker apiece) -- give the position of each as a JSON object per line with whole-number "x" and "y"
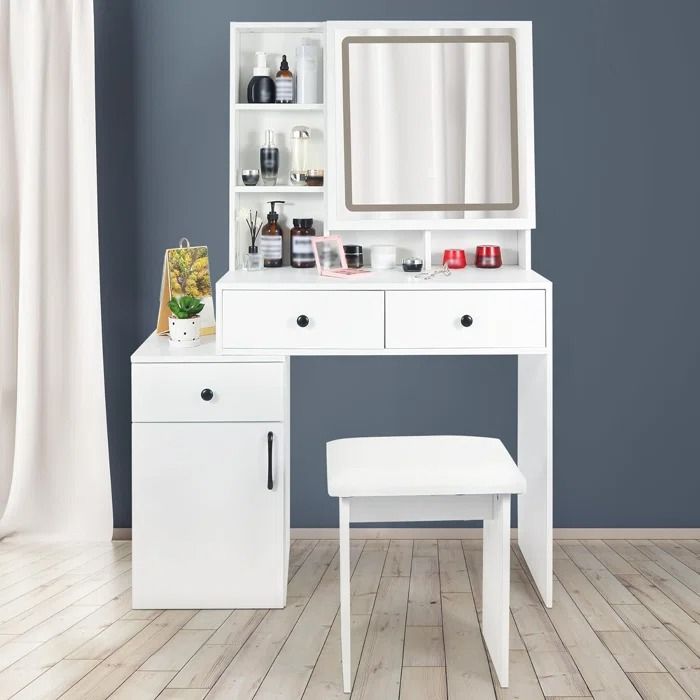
{"x": 454, "y": 258}
{"x": 488, "y": 256}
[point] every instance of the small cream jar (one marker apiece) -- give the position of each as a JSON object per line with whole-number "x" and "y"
{"x": 383, "y": 257}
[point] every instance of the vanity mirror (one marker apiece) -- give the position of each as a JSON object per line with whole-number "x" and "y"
{"x": 433, "y": 124}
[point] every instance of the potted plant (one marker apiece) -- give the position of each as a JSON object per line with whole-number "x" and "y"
{"x": 185, "y": 323}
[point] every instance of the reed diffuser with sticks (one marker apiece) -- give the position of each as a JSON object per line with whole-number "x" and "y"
{"x": 253, "y": 260}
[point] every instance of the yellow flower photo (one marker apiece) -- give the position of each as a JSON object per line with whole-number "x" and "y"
{"x": 189, "y": 272}
{"x": 186, "y": 274}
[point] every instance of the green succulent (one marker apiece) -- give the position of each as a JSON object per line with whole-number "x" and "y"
{"x": 185, "y": 307}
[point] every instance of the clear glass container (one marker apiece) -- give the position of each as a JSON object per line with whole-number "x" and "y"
{"x": 253, "y": 260}
{"x": 300, "y": 155}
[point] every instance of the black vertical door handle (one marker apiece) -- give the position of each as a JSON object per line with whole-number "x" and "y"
{"x": 270, "y": 437}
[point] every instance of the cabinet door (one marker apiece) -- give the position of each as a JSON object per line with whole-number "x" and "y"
{"x": 207, "y": 531}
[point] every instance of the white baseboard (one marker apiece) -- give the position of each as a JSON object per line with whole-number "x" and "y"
{"x": 469, "y": 533}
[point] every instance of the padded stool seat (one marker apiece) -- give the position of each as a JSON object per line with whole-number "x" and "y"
{"x": 433, "y": 477}
{"x": 420, "y": 466}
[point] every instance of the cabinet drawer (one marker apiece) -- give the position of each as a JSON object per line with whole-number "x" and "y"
{"x": 465, "y": 319}
{"x": 240, "y": 391}
{"x": 300, "y": 319}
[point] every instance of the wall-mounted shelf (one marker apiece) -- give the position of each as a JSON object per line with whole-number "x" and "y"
{"x": 277, "y": 189}
{"x": 245, "y": 107}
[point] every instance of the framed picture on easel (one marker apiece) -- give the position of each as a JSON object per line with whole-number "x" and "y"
{"x": 186, "y": 273}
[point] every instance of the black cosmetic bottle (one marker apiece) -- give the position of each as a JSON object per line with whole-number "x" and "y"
{"x": 261, "y": 88}
{"x": 269, "y": 159}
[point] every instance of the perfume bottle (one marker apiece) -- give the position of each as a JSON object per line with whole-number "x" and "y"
{"x": 269, "y": 159}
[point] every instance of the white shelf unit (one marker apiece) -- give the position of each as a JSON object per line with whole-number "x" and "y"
{"x": 245, "y": 107}
{"x": 248, "y": 123}
{"x": 277, "y": 189}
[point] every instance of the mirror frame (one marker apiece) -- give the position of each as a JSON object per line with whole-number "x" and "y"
{"x": 341, "y": 217}
{"x": 434, "y": 39}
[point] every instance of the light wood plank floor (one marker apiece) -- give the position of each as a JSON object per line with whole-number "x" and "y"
{"x": 625, "y": 624}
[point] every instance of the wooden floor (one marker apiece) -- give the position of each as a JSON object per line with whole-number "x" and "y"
{"x": 624, "y": 625}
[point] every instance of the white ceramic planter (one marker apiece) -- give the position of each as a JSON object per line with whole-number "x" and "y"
{"x": 184, "y": 332}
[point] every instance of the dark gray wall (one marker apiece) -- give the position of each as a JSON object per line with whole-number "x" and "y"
{"x": 617, "y": 114}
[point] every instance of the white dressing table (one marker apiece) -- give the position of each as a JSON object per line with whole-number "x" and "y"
{"x": 228, "y": 497}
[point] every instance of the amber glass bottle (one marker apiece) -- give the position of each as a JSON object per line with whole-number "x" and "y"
{"x": 301, "y": 249}
{"x": 284, "y": 83}
{"x": 271, "y": 238}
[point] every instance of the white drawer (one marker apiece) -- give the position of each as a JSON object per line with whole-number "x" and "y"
{"x": 276, "y": 320}
{"x": 241, "y": 391}
{"x": 433, "y": 319}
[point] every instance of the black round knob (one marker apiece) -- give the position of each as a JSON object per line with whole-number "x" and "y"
{"x": 207, "y": 394}
{"x": 466, "y": 320}
{"x": 302, "y": 321}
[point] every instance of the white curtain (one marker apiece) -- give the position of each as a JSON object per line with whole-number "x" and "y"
{"x": 54, "y": 464}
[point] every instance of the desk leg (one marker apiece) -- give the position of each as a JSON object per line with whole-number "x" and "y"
{"x": 535, "y": 461}
{"x": 287, "y": 419}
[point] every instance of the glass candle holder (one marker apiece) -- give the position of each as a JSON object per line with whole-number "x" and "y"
{"x": 488, "y": 256}
{"x": 454, "y": 258}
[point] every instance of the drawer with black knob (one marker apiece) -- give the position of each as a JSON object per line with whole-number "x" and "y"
{"x": 495, "y": 319}
{"x": 295, "y": 320}
{"x": 207, "y": 391}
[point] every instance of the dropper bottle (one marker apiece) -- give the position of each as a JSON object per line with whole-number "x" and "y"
{"x": 284, "y": 83}
{"x": 272, "y": 237}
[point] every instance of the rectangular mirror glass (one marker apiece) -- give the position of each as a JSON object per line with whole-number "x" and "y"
{"x": 430, "y": 123}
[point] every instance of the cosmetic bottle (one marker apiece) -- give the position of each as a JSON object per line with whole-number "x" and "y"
{"x": 308, "y": 77}
{"x": 261, "y": 88}
{"x": 301, "y": 249}
{"x": 284, "y": 83}
{"x": 269, "y": 159}
{"x": 271, "y": 238}
{"x": 300, "y": 149}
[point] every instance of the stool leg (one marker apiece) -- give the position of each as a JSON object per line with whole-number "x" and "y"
{"x": 345, "y": 625}
{"x": 496, "y": 586}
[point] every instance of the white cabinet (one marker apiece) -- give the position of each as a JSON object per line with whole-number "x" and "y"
{"x": 210, "y": 487}
{"x": 208, "y": 532}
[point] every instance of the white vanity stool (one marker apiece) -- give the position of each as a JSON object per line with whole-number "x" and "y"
{"x": 423, "y": 478}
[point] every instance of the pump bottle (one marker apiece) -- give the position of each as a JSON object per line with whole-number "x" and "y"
{"x": 261, "y": 88}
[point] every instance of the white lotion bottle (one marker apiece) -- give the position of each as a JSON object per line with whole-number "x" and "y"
{"x": 308, "y": 75}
